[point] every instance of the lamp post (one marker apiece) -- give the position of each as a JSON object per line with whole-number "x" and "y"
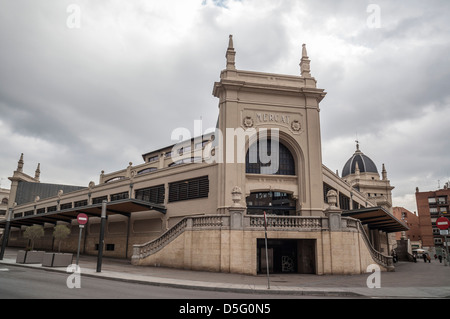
{"x": 101, "y": 239}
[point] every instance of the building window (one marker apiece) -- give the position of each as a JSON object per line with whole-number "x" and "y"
{"x": 40, "y": 211}
{"x": 99, "y": 200}
{"x": 51, "y": 209}
{"x": 119, "y": 196}
{"x": 286, "y": 163}
{"x": 5, "y": 201}
{"x": 277, "y": 203}
{"x": 66, "y": 206}
{"x": 80, "y": 203}
{"x": 344, "y": 202}
{"x": 189, "y": 189}
{"x": 108, "y": 247}
{"x": 431, "y": 200}
{"x": 153, "y": 158}
{"x": 186, "y": 161}
{"x": 147, "y": 170}
{"x": 153, "y": 194}
{"x": 115, "y": 179}
{"x": 29, "y": 213}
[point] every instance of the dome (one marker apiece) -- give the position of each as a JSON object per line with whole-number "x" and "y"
{"x": 365, "y": 164}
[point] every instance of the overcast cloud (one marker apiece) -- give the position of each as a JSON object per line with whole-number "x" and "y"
{"x": 83, "y": 99}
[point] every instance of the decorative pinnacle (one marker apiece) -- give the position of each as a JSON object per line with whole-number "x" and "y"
{"x": 304, "y": 53}
{"x": 20, "y": 163}
{"x": 230, "y": 42}
{"x": 37, "y": 173}
{"x": 230, "y": 55}
{"x": 305, "y": 67}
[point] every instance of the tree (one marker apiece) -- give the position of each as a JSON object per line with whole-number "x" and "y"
{"x": 60, "y": 233}
{"x": 33, "y": 232}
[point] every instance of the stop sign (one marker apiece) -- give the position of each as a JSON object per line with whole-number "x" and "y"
{"x": 82, "y": 219}
{"x": 442, "y": 223}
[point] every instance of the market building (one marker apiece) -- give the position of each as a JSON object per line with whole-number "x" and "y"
{"x": 207, "y": 202}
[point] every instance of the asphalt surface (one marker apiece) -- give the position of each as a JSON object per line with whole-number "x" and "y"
{"x": 409, "y": 280}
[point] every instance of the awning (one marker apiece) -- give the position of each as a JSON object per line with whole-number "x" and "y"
{"x": 123, "y": 207}
{"x": 377, "y": 218}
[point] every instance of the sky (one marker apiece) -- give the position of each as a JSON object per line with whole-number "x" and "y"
{"x": 87, "y": 86}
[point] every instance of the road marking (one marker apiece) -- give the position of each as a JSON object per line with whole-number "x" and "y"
{"x": 4, "y": 269}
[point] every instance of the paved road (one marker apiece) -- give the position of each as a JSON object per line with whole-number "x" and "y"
{"x": 28, "y": 283}
{"x": 410, "y": 280}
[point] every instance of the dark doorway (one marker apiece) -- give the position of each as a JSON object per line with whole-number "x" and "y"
{"x": 287, "y": 256}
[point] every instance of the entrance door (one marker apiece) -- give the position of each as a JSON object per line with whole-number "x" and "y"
{"x": 287, "y": 256}
{"x": 306, "y": 256}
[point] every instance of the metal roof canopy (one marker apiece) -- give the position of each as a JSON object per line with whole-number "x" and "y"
{"x": 377, "y": 218}
{"x": 122, "y": 207}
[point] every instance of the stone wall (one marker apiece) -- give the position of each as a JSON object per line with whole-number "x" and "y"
{"x": 234, "y": 251}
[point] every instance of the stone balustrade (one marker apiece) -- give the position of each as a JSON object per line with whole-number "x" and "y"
{"x": 299, "y": 223}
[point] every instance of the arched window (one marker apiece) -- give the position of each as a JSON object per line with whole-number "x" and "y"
{"x": 5, "y": 201}
{"x": 147, "y": 170}
{"x": 259, "y": 159}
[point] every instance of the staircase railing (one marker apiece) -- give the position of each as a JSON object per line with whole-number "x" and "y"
{"x": 383, "y": 260}
{"x": 143, "y": 250}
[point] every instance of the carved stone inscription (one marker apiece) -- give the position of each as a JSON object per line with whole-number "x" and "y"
{"x": 290, "y": 120}
{"x": 272, "y": 117}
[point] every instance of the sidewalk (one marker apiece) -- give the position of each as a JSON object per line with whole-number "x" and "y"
{"x": 410, "y": 280}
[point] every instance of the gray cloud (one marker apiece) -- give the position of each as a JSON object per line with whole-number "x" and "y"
{"x": 93, "y": 98}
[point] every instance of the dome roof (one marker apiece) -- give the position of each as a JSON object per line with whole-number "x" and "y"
{"x": 365, "y": 164}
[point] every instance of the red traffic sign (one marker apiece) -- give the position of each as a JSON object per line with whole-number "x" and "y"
{"x": 442, "y": 223}
{"x": 82, "y": 219}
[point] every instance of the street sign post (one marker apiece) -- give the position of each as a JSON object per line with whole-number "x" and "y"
{"x": 82, "y": 220}
{"x": 443, "y": 223}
